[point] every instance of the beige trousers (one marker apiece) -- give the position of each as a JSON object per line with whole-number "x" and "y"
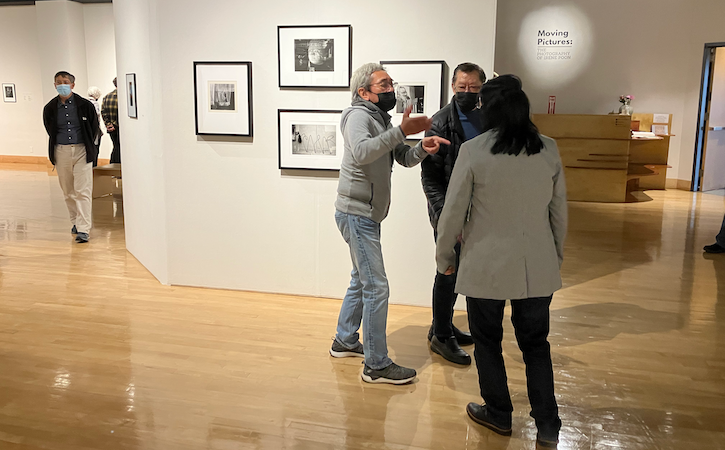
{"x": 76, "y": 180}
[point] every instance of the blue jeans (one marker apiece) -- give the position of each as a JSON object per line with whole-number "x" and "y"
{"x": 366, "y": 299}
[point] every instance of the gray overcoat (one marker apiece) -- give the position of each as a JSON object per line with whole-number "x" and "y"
{"x": 511, "y": 212}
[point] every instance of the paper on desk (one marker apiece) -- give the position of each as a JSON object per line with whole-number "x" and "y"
{"x": 661, "y": 118}
{"x": 660, "y": 130}
{"x": 643, "y": 135}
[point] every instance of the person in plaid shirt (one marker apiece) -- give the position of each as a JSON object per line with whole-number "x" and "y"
{"x": 109, "y": 111}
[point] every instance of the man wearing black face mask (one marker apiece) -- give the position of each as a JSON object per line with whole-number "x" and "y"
{"x": 372, "y": 145}
{"x": 458, "y": 121}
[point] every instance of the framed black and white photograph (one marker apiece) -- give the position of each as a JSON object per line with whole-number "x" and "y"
{"x": 419, "y": 84}
{"x": 223, "y": 98}
{"x": 309, "y": 139}
{"x": 221, "y": 95}
{"x": 412, "y": 95}
{"x": 9, "y": 95}
{"x": 131, "y": 97}
{"x": 314, "y": 56}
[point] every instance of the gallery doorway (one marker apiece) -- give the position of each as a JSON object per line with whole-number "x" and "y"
{"x": 708, "y": 172}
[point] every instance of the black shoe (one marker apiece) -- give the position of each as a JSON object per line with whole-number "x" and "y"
{"x": 82, "y": 238}
{"x": 546, "y": 442}
{"x": 548, "y": 436}
{"x": 340, "y": 351}
{"x": 450, "y": 350}
{"x": 74, "y": 230}
{"x": 714, "y": 248}
{"x": 463, "y": 337}
{"x": 393, "y": 374}
{"x": 481, "y": 415}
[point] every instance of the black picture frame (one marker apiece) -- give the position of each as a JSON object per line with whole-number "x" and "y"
{"x": 287, "y": 160}
{"x": 289, "y": 73}
{"x": 10, "y": 95}
{"x": 131, "y": 96}
{"x": 235, "y": 115}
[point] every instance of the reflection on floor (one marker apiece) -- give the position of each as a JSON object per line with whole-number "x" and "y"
{"x": 95, "y": 354}
{"x": 720, "y": 192}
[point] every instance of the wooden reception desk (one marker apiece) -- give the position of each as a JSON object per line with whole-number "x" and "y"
{"x": 602, "y": 162}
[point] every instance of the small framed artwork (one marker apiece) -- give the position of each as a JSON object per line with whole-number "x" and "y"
{"x": 418, "y": 84}
{"x": 309, "y": 139}
{"x": 132, "y": 99}
{"x": 9, "y": 95}
{"x": 223, "y": 98}
{"x": 660, "y": 130}
{"x": 314, "y": 56}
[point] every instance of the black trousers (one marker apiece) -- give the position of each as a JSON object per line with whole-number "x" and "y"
{"x": 116, "y": 153}
{"x": 444, "y": 299}
{"x": 530, "y": 318}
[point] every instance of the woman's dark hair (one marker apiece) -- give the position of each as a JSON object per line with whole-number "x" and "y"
{"x": 506, "y": 110}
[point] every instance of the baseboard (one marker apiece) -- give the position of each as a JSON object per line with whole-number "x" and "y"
{"x": 13, "y": 159}
{"x": 674, "y": 183}
{"x": 41, "y": 160}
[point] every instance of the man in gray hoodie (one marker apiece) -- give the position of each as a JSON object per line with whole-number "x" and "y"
{"x": 372, "y": 144}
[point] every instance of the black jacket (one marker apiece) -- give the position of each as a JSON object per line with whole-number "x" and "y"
{"x": 86, "y": 116}
{"x": 436, "y": 169}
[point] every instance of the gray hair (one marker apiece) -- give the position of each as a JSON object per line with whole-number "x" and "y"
{"x": 94, "y": 92}
{"x": 361, "y": 78}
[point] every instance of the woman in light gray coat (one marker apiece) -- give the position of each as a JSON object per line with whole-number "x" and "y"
{"x": 506, "y": 202}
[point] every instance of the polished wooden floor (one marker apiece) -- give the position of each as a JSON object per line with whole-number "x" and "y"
{"x": 95, "y": 354}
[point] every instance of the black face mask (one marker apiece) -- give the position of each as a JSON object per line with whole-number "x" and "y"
{"x": 386, "y": 101}
{"x": 467, "y": 101}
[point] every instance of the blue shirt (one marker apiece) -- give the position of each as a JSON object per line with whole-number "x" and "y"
{"x": 69, "y": 126}
{"x": 471, "y": 122}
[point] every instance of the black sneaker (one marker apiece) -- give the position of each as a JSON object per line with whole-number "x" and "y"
{"x": 714, "y": 248}
{"x": 74, "y": 230}
{"x": 82, "y": 238}
{"x": 340, "y": 351}
{"x": 393, "y": 374}
{"x": 482, "y": 416}
{"x": 450, "y": 350}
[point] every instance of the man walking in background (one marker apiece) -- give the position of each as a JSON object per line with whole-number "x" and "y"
{"x": 72, "y": 125}
{"x": 109, "y": 111}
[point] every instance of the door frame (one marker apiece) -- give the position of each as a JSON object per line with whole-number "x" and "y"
{"x": 698, "y": 166}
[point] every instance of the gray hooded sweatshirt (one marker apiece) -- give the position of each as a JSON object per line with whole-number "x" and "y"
{"x": 371, "y": 143}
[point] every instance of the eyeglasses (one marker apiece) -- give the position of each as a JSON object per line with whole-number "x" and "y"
{"x": 475, "y": 89}
{"x": 384, "y": 84}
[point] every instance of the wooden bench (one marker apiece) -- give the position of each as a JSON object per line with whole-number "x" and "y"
{"x": 105, "y": 180}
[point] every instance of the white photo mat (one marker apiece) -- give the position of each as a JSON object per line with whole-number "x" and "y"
{"x": 428, "y": 74}
{"x": 131, "y": 97}
{"x": 287, "y": 58}
{"x": 9, "y": 94}
{"x": 316, "y": 142}
{"x": 233, "y": 116}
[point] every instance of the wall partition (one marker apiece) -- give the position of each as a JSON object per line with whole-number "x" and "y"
{"x": 217, "y": 211}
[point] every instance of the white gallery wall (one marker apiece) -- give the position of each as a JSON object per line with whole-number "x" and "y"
{"x": 21, "y": 123}
{"x": 231, "y": 218}
{"x": 648, "y": 48}
{"x": 42, "y": 40}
